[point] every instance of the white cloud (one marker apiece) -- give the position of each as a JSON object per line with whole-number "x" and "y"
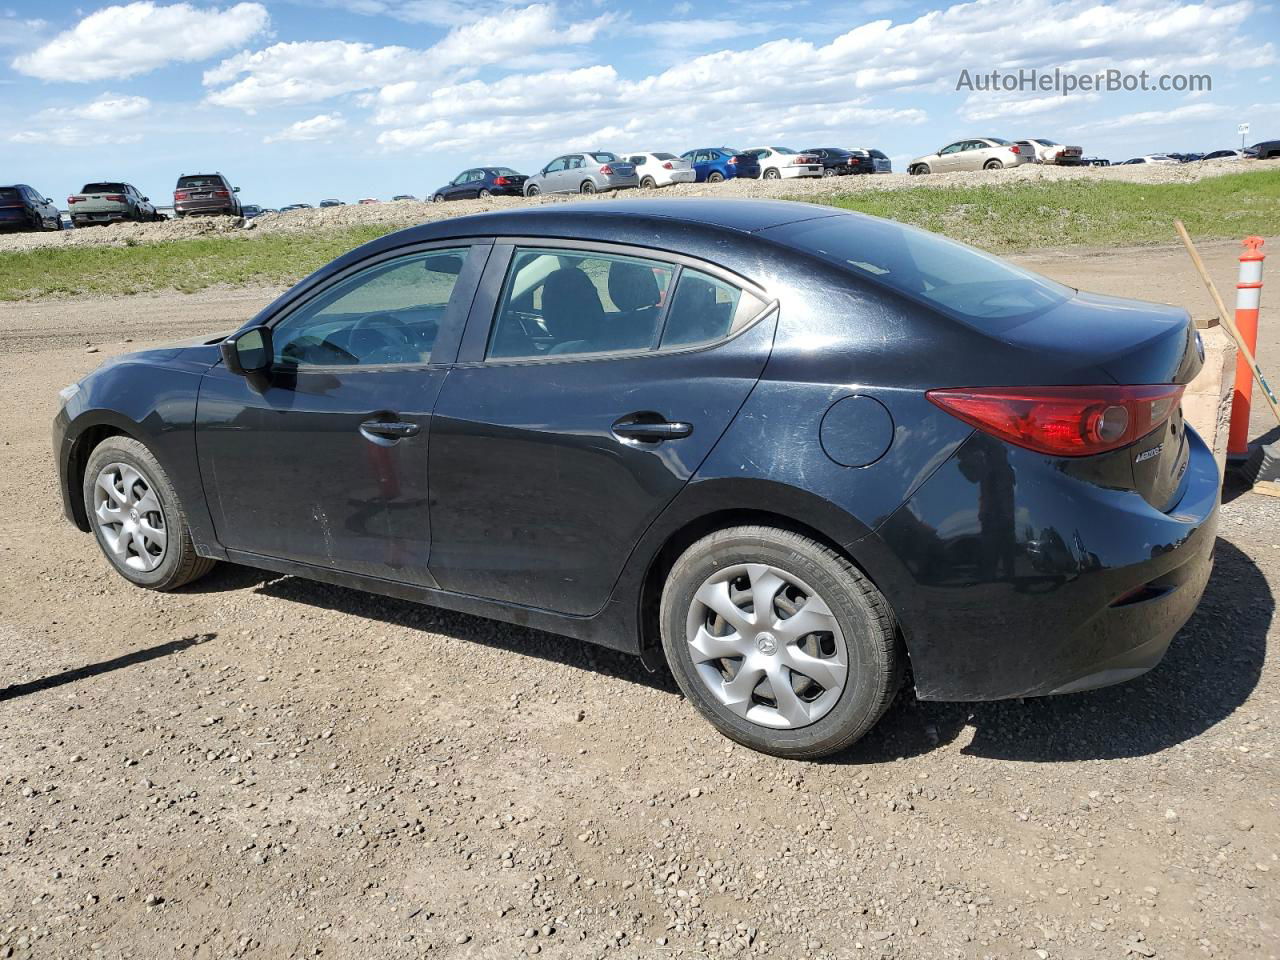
{"x": 978, "y": 107}
{"x": 319, "y": 127}
{"x": 97, "y": 121}
{"x": 72, "y": 135}
{"x": 1161, "y": 118}
{"x": 124, "y": 41}
{"x": 110, "y": 107}
{"x": 311, "y": 71}
{"x": 17, "y": 31}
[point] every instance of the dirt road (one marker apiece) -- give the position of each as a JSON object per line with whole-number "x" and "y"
{"x": 266, "y": 767}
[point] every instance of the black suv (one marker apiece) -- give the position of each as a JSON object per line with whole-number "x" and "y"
{"x": 22, "y": 208}
{"x": 205, "y": 193}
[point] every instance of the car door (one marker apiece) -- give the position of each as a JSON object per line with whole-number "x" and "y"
{"x": 475, "y": 180}
{"x": 325, "y": 461}
{"x": 948, "y": 156}
{"x": 583, "y": 400}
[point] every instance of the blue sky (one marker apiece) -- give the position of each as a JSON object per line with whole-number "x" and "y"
{"x": 302, "y": 99}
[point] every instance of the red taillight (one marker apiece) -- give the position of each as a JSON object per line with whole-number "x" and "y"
{"x": 733, "y": 161}
{"x": 71, "y": 200}
{"x": 607, "y": 170}
{"x": 221, "y": 193}
{"x": 1016, "y": 149}
{"x": 1063, "y": 421}
{"x": 668, "y": 165}
{"x": 114, "y": 197}
{"x": 500, "y": 181}
{"x": 181, "y": 195}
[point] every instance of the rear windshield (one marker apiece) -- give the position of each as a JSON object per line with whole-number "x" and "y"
{"x": 877, "y": 154}
{"x": 10, "y": 193}
{"x": 786, "y": 151}
{"x": 103, "y": 188}
{"x": 199, "y": 181}
{"x": 504, "y": 172}
{"x": 603, "y": 157}
{"x": 958, "y": 280}
{"x": 665, "y": 156}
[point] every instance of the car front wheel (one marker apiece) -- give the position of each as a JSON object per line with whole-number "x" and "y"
{"x": 531, "y": 191}
{"x": 779, "y": 641}
{"x": 137, "y": 519}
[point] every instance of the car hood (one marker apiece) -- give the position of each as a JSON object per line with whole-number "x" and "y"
{"x": 201, "y": 352}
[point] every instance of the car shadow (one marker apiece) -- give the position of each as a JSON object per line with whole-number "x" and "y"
{"x": 105, "y": 666}
{"x": 1212, "y": 666}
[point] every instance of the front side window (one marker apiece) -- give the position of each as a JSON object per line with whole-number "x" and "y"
{"x": 556, "y": 165}
{"x": 950, "y": 148}
{"x": 388, "y": 313}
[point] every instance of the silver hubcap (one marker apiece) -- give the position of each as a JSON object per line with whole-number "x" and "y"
{"x": 767, "y": 646}
{"x": 130, "y": 517}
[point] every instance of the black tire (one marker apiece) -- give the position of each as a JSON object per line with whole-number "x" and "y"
{"x": 587, "y": 186}
{"x": 919, "y": 170}
{"x": 772, "y": 174}
{"x": 648, "y": 183}
{"x": 993, "y": 165}
{"x": 436, "y": 198}
{"x": 485, "y": 194}
{"x": 876, "y": 660}
{"x": 532, "y": 191}
{"x": 715, "y": 177}
{"x": 181, "y": 564}
{"x": 830, "y": 172}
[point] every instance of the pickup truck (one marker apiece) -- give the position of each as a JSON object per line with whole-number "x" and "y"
{"x": 110, "y": 202}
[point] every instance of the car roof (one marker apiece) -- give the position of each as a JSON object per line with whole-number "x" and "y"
{"x": 738, "y": 216}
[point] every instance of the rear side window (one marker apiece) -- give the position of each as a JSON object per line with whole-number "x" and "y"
{"x": 388, "y": 313}
{"x": 562, "y": 302}
{"x": 958, "y": 280}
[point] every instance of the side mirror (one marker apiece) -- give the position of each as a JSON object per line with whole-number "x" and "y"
{"x": 48, "y": 199}
{"x": 248, "y": 353}
{"x": 235, "y": 189}
{"x": 147, "y": 199}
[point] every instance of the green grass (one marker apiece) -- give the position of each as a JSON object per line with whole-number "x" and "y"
{"x": 1004, "y": 217}
{"x": 185, "y": 265}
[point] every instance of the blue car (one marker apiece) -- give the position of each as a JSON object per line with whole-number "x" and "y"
{"x": 715, "y": 164}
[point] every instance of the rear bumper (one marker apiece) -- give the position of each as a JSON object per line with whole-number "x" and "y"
{"x": 1028, "y": 581}
{"x": 617, "y": 182}
{"x": 99, "y": 216}
{"x": 794, "y": 171}
{"x": 192, "y": 207}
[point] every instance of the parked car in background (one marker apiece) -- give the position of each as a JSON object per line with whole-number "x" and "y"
{"x": 592, "y": 171}
{"x": 331, "y": 202}
{"x": 295, "y": 206}
{"x": 251, "y": 210}
{"x": 723, "y": 436}
{"x": 1158, "y": 158}
{"x": 1050, "y": 151}
{"x": 880, "y": 162}
{"x": 22, "y": 208}
{"x": 1266, "y": 150}
{"x": 368, "y": 200}
{"x": 716, "y": 164}
{"x": 980, "y": 153}
{"x": 1096, "y": 162}
{"x": 482, "y": 182}
{"x": 205, "y": 193}
{"x": 659, "y": 169}
{"x": 404, "y": 196}
{"x": 110, "y": 202}
{"x": 1225, "y": 155}
{"x": 783, "y": 163}
{"x": 836, "y": 161}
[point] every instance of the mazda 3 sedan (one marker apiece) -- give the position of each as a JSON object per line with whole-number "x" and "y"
{"x": 784, "y": 450}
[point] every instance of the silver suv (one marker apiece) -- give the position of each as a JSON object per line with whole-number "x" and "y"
{"x": 588, "y": 172}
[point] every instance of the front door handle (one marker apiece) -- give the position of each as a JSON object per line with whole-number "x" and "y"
{"x": 650, "y": 429}
{"x": 389, "y": 429}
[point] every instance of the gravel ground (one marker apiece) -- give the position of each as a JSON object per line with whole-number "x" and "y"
{"x": 266, "y": 767}
{"x": 406, "y": 213}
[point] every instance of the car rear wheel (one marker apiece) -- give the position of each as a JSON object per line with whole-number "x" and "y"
{"x": 715, "y": 177}
{"x": 779, "y": 641}
{"x": 830, "y": 172}
{"x": 137, "y": 519}
{"x": 588, "y": 186}
{"x": 993, "y": 165}
{"x": 648, "y": 183}
{"x": 772, "y": 174}
{"x": 485, "y": 194}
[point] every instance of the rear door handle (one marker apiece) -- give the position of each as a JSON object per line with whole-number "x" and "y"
{"x": 389, "y": 429}
{"x": 651, "y": 431}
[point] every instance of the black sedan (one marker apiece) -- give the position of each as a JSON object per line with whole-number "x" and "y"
{"x": 837, "y": 162}
{"x": 482, "y": 182}
{"x": 778, "y": 448}
{"x": 24, "y": 208}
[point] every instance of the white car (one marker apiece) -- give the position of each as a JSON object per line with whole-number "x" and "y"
{"x": 1152, "y": 158}
{"x": 782, "y": 163}
{"x": 1051, "y": 151}
{"x": 660, "y": 169}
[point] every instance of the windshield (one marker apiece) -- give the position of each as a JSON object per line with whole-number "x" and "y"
{"x": 958, "y": 280}
{"x": 878, "y": 155}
